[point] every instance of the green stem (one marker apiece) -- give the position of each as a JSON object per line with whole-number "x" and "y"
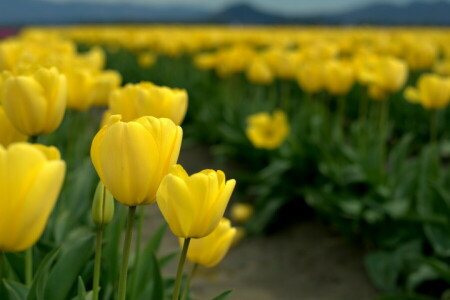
{"x": 33, "y": 139}
{"x": 383, "y": 128}
{"x": 188, "y": 283}
{"x": 98, "y": 261}
{"x": 29, "y": 266}
{"x": 433, "y": 126}
{"x": 1, "y": 266}
{"x": 126, "y": 254}
{"x": 176, "y": 290}
{"x": 137, "y": 251}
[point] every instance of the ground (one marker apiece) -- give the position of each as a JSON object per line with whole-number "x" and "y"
{"x": 306, "y": 261}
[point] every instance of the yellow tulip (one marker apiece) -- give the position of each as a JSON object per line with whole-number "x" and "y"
{"x": 241, "y": 212}
{"x": 338, "y": 77}
{"x": 388, "y": 74}
{"x": 210, "y": 250}
{"x": 432, "y": 92}
{"x": 310, "y": 77}
{"x": 266, "y": 131}
{"x": 131, "y": 158}
{"x": 31, "y": 178}
{"x": 193, "y": 205}
{"x": 80, "y": 82}
{"x": 35, "y": 104}
{"x": 146, "y": 59}
{"x": 8, "y": 133}
{"x": 146, "y": 99}
{"x": 259, "y": 72}
{"x": 105, "y": 83}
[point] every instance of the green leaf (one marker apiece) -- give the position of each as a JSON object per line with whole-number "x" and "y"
{"x": 41, "y": 276}
{"x": 155, "y": 284}
{"x": 383, "y": 269}
{"x": 75, "y": 255}
{"x": 167, "y": 258}
{"x": 155, "y": 241}
{"x": 81, "y": 289}
{"x": 16, "y": 290}
{"x": 147, "y": 279}
{"x": 223, "y": 296}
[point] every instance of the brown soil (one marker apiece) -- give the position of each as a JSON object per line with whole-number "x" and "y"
{"x": 306, "y": 261}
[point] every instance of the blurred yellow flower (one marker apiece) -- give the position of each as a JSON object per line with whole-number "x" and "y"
{"x": 146, "y": 59}
{"x": 131, "y": 158}
{"x": 267, "y": 131}
{"x": 35, "y": 104}
{"x": 32, "y": 176}
{"x": 338, "y": 77}
{"x": 146, "y": 99}
{"x": 8, "y": 133}
{"x": 210, "y": 250}
{"x": 193, "y": 205}
{"x": 241, "y": 212}
{"x": 259, "y": 72}
{"x": 432, "y": 92}
{"x": 310, "y": 77}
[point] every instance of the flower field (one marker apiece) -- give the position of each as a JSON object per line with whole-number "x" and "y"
{"x": 346, "y": 124}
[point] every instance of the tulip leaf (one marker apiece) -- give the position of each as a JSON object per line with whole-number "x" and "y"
{"x": 41, "y": 276}
{"x": 16, "y": 290}
{"x": 74, "y": 257}
{"x": 81, "y": 289}
{"x": 223, "y": 296}
{"x": 148, "y": 274}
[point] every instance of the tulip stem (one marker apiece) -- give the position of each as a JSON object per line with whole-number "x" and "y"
{"x": 433, "y": 126}
{"x": 134, "y": 281}
{"x": 1, "y": 266}
{"x": 98, "y": 261}
{"x": 188, "y": 283}
{"x": 29, "y": 266}
{"x": 176, "y": 291}
{"x": 126, "y": 254}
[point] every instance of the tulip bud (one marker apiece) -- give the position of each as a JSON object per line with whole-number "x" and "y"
{"x": 102, "y": 206}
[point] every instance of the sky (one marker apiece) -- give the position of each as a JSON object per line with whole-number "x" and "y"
{"x": 286, "y": 7}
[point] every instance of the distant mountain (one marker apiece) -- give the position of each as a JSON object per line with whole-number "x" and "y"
{"x": 414, "y": 13}
{"x": 26, "y": 12}
{"x": 244, "y": 14}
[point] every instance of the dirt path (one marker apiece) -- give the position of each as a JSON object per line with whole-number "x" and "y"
{"x": 305, "y": 262}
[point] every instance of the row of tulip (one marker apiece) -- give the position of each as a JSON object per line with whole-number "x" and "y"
{"x": 135, "y": 158}
{"x": 372, "y": 166}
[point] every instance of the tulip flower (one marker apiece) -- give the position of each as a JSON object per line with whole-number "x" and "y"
{"x": 32, "y": 176}
{"x": 241, "y": 212}
{"x": 35, "y": 104}
{"x": 259, "y": 72}
{"x": 8, "y": 133}
{"x": 267, "y": 131}
{"x": 146, "y": 99}
{"x": 131, "y": 158}
{"x": 310, "y": 77}
{"x": 338, "y": 77}
{"x": 210, "y": 250}
{"x": 193, "y": 205}
{"x": 432, "y": 92}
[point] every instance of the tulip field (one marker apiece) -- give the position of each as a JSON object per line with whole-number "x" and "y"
{"x": 347, "y": 125}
